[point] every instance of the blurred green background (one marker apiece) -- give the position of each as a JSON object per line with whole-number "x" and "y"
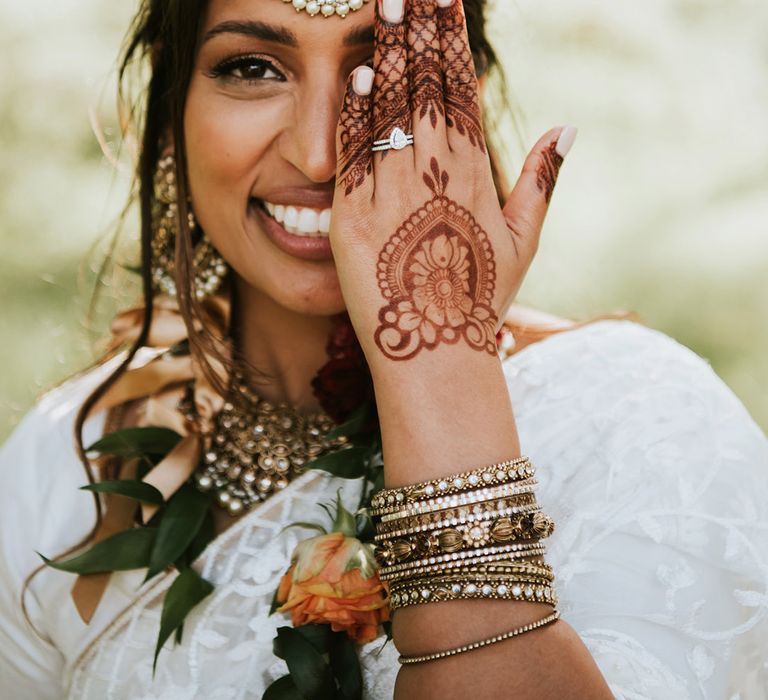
{"x": 661, "y": 209}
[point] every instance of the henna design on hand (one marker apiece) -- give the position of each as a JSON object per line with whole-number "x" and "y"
{"x": 356, "y": 137}
{"x": 549, "y": 168}
{"x": 462, "y": 105}
{"x": 391, "y": 92}
{"x": 424, "y": 62}
{"x": 437, "y": 273}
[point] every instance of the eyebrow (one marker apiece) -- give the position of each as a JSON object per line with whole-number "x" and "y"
{"x": 282, "y": 35}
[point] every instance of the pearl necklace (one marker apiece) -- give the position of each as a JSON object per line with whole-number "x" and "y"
{"x": 327, "y": 8}
{"x": 258, "y": 447}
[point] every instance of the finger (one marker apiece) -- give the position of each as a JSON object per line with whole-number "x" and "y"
{"x": 462, "y": 105}
{"x": 528, "y": 203}
{"x": 391, "y": 107}
{"x": 354, "y": 135}
{"x": 425, "y": 72}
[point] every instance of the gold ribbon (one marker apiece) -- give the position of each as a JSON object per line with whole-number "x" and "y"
{"x": 160, "y": 383}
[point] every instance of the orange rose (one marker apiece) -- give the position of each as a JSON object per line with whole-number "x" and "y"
{"x": 332, "y": 580}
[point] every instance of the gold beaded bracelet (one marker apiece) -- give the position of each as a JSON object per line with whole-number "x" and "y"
{"x": 511, "y": 470}
{"x": 405, "y": 660}
{"x": 468, "y": 498}
{"x": 521, "y": 588}
{"x": 495, "y": 563}
{"x": 519, "y": 550}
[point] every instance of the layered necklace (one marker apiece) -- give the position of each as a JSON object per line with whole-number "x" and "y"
{"x": 257, "y": 447}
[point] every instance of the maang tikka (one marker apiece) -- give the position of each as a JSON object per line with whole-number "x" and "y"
{"x": 210, "y": 270}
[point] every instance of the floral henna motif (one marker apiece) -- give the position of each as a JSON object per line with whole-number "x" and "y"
{"x": 391, "y": 93}
{"x": 549, "y": 167}
{"x": 424, "y": 63}
{"x": 462, "y": 104}
{"x": 356, "y": 136}
{"x": 438, "y": 274}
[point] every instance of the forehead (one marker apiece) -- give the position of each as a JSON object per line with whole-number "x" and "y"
{"x": 298, "y": 29}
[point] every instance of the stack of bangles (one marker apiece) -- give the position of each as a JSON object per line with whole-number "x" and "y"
{"x": 475, "y": 535}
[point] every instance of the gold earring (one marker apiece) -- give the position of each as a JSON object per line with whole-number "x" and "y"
{"x": 210, "y": 268}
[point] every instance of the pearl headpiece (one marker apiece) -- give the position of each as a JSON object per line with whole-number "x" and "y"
{"x": 327, "y": 8}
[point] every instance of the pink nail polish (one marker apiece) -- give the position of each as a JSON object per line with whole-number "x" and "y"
{"x": 393, "y": 11}
{"x": 444, "y": 3}
{"x": 362, "y": 81}
{"x": 564, "y": 143}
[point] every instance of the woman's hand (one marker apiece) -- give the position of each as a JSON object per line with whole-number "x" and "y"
{"x": 424, "y": 253}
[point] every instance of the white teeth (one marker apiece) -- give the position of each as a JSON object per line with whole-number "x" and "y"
{"x": 302, "y": 221}
{"x": 324, "y": 221}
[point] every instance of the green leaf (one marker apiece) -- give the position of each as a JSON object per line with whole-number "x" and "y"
{"x": 354, "y": 423}
{"x": 137, "y": 442}
{"x": 126, "y": 550}
{"x": 319, "y": 636}
{"x": 275, "y": 604}
{"x": 309, "y": 670}
{"x": 346, "y": 667}
{"x": 205, "y": 535}
{"x": 181, "y": 521}
{"x": 347, "y": 463}
{"x": 282, "y": 689}
{"x": 184, "y": 594}
{"x": 129, "y": 488}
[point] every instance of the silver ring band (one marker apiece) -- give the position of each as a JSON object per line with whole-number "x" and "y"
{"x": 397, "y": 141}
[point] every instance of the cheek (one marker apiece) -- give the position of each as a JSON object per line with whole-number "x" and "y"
{"x": 226, "y": 140}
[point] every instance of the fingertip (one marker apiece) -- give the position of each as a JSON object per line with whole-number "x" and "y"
{"x": 362, "y": 81}
{"x": 565, "y": 140}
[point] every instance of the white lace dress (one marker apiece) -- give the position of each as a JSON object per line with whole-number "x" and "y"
{"x": 654, "y": 472}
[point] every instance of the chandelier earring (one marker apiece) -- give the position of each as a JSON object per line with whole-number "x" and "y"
{"x": 209, "y": 267}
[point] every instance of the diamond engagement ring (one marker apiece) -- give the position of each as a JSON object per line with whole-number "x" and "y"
{"x": 397, "y": 141}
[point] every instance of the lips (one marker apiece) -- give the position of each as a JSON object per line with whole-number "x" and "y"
{"x": 301, "y": 232}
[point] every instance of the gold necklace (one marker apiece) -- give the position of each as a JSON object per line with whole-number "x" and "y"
{"x": 258, "y": 447}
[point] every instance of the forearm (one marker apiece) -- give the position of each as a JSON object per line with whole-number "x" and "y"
{"x": 445, "y": 412}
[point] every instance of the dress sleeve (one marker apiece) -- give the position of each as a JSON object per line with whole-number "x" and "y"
{"x": 30, "y": 664}
{"x": 42, "y": 510}
{"x": 662, "y": 548}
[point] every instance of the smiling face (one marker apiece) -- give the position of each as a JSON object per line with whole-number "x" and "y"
{"x": 260, "y": 128}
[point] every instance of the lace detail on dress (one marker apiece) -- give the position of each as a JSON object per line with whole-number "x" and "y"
{"x": 657, "y": 479}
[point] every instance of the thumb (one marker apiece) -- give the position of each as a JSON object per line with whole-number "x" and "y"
{"x": 527, "y": 205}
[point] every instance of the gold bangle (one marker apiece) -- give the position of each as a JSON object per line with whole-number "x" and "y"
{"x": 453, "y": 521}
{"x": 524, "y": 591}
{"x": 484, "y": 643}
{"x": 457, "y": 500}
{"x": 495, "y": 564}
{"x": 520, "y": 550}
{"x": 511, "y": 470}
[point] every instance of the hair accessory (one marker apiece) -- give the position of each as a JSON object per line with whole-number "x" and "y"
{"x": 210, "y": 268}
{"x": 484, "y": 643}
{"x": 327, "y": 8}
{"x": 397, "y": 141}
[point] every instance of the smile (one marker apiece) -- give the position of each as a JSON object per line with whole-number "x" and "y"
{"x": 301, "y": 221}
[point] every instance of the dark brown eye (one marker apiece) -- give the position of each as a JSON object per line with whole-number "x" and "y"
{"x": 247, "y": 69}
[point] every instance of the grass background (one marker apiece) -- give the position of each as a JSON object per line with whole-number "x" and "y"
{"x": 662, "y": 207}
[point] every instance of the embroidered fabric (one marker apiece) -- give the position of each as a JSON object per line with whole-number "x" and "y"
{"x": 656, "y": 477}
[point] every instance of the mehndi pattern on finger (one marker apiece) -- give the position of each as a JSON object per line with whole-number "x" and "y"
{"x": 437, "y": 273}
{"x": 549, "y": 168}
{"x": 462, "y": 105}
{"x": 391, "y": 98}
{"x": 356, "y": 137}
{"x": 424, "y": 63}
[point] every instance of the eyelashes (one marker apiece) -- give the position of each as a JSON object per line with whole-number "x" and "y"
{"x": 248, "y": 70}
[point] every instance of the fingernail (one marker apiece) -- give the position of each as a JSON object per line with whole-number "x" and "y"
{"x": 444, "y": 3}
{"x": 362, "y": 81}
{"x": 564, "y": 143}
{"x": 393, "y": 11}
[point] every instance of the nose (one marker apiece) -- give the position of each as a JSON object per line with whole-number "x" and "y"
{"x": 309, "y": 143}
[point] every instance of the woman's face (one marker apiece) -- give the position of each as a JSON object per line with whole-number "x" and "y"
{"x": 260, "y": 127}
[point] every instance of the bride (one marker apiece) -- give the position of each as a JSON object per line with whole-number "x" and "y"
{"x": 328, "y": 310}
